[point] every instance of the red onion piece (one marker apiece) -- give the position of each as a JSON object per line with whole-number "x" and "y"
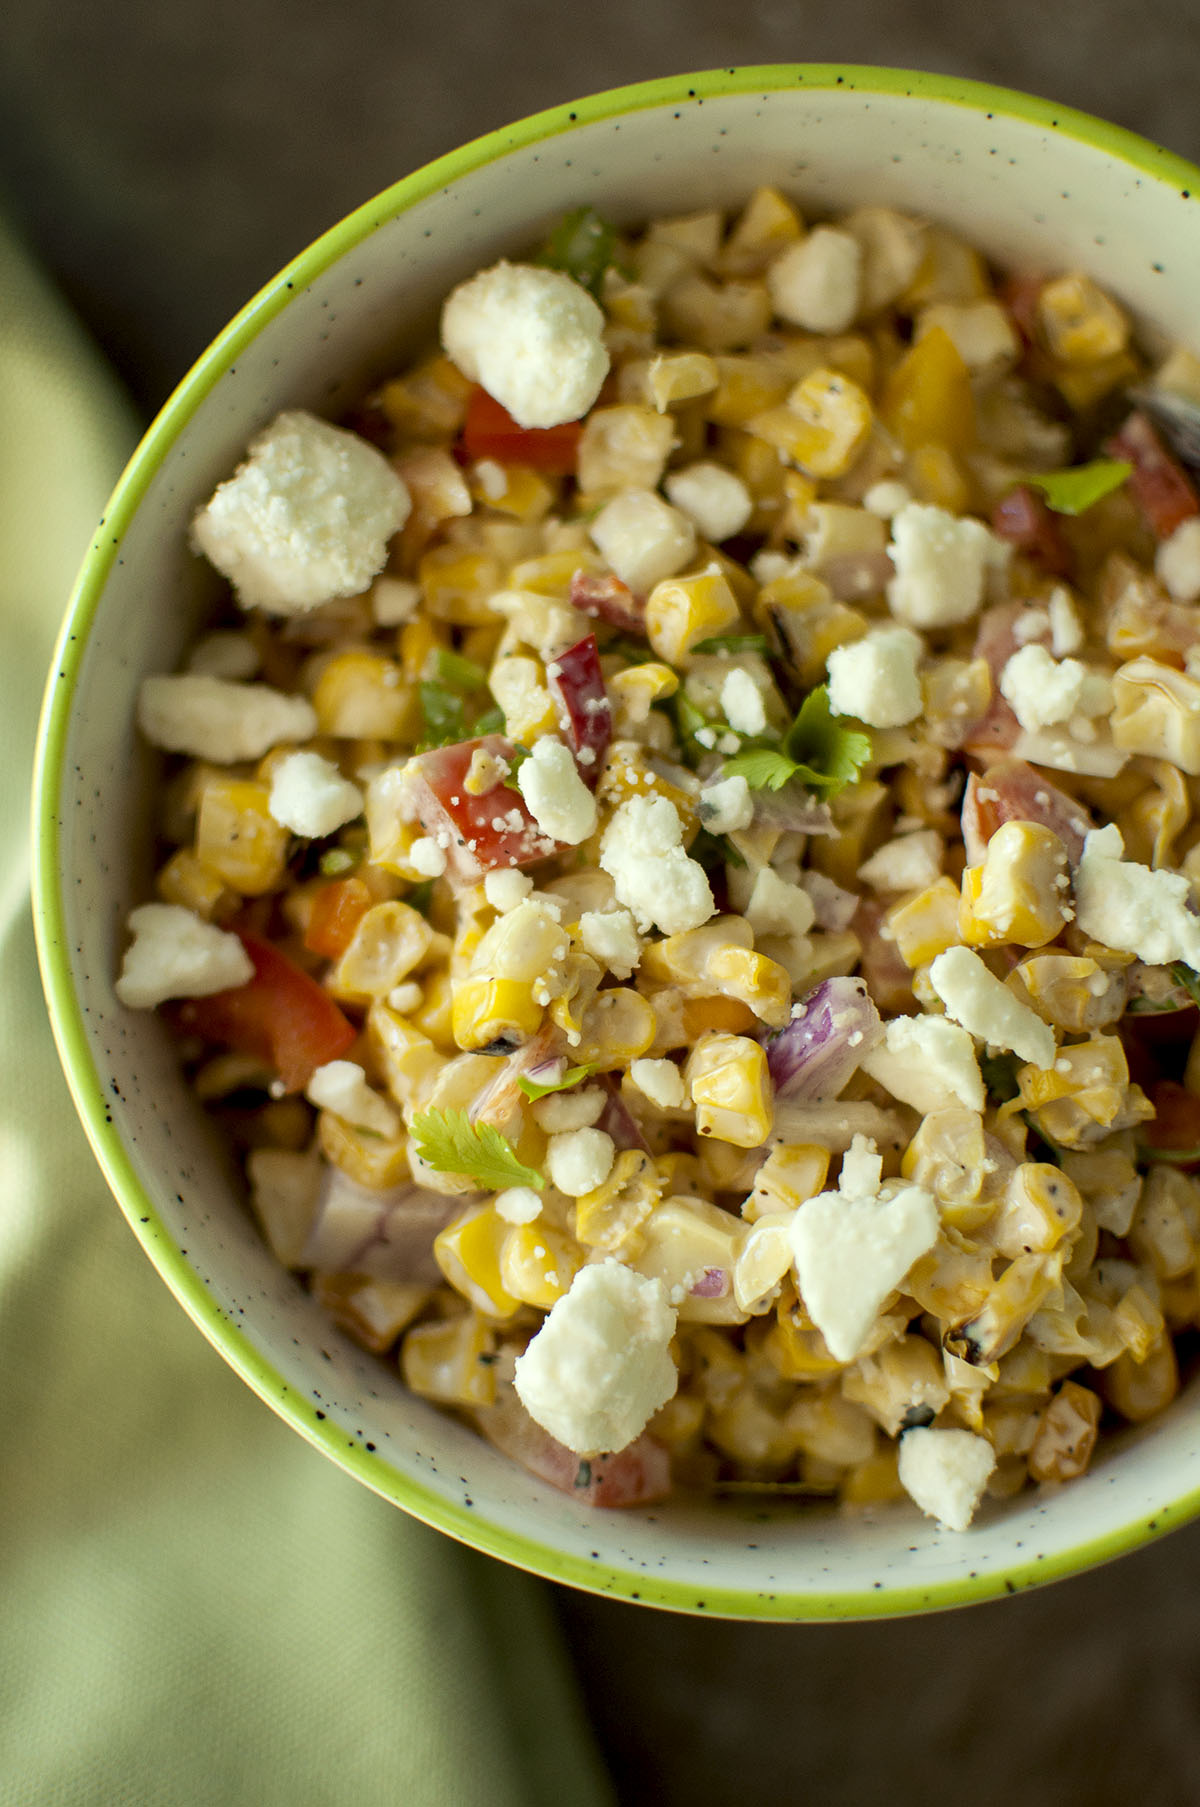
{"x": 1011, "y": 791}
{"x": 617, "y": 1121}
{"x": 1158, "y": 482}
{"x": 635, "y": 1476}
{"x": 792, "y": 810}
{"x": 577, "y": 685}
{"x": 835, "y": 1026}
{"x": 1025, "y": 520}
{"x": 387, "y": 1234}
{"x": 605, "y": 598}
{"x": 852, "y": 576}
{"x": 714, "y": 1283}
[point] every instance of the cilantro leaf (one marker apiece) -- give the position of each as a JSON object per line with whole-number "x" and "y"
{"x": 457, "y": 673}
{"x": 817, "y": 749}
{"x": 762, "y": 768}
{"x": 491, "y": 721}
{"x": 1183, "y": 975}
{"x": 1076, "y": 490}
{"x": 335, "y": 862}
{"x": 573, "y": 1076}
{"x": 516, "y": 759}
{"x": 443, "y": 715}
{"x": 449, "y": 1141}
{"x": 582, "y": 244}
{"x": 733, "y": 643}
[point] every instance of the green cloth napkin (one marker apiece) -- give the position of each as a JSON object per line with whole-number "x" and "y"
{"x": 195, "y": 1607}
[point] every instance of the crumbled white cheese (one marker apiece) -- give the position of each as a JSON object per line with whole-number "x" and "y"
{"x": 224, "y": 654}
{"x": 714, "y": 499}
{"x": 310, "y": 796}
{"x": 176, "y": 954}
{"x": 209, "y": 718}
{"x": 518, "y": 1204}
{"x": 742, "y": 702}
{"x": 1177, "y": 561}
{"x": 944, "y": 1472}
{"x": 577, "y": 1108}
{"x": 1132, "y": 908}
{"x": 941, "y": 562}
{"x": 600, "y": 1366}
{"x": 1043, "y": 691}
{"x": 875, "y": 679}
{"x": 611, "y": 937}
{"x": 341, "y": 1086}
{"x": 975, "y": 998}
{"x": 909, "y": 863}
{"x": 642, "y": 852}
{"x": 815, "y": 283}
{"x": 307, "y": 517}
{"x": 579, "y": 1160}
{"x": 887, "y": 498}
{"x": 426, "y": 857}
{"x": 394, "y": 600}
{"x": 851, "y": 1247}
{"x": 726, "y": 805}
{"x": 643, "y": 538}
{"x": 532, "y": 337}
{"x": 777, "y": 907}
{"x": 1066, "y": 629}
{"x": 660, "y": 1081}
{"x": 505, "y": 888}
{"x": 926, "y": 1061}
{"x": 559, "y": 801}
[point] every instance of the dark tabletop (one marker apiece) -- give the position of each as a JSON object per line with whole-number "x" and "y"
{"x": 164, "y": 162}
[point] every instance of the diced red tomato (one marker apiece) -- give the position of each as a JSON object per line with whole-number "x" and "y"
{"x": 490, "y": 431}
{"x": 281, "y": 1015}
{"x": 495, "y": 829}
{"x": 1176, "y": 1122}
{"x": 577, "y": 685}
{"x": 1011, "y": 791}
{"x": 616, "y": 1120}
{"x": 605, "y": 598}
{"x": 1159, "y": 484}
{"x": 635, "y": 1476}
{"x": 337, "y": 910}
{"x": 996, "y": 641}
{"x": 1025, "y": 519}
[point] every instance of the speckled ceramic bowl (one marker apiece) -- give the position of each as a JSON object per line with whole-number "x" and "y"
{"x": 1028, "y": 182}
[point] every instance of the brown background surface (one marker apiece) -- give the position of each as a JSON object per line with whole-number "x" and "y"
{"x": 164, "y": 160}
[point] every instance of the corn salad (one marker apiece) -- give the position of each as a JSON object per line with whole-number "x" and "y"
{"x": 679, "y": 861}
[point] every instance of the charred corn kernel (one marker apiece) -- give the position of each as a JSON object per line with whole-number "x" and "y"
{"x": 951, "y": 271}
{"x": 748, "y": 1430}
{"x": 956, "y": 694}
{"x": 630, "y": 771}
{"x": 716, "y": 316}
{"x": 730, "y": 1086}
{"x": 618, "y": 1026}
{"x": 1156, "y": 710}
{"x": 795, "y": 1347}
{"x": 610, "y": 1217}
{"x": 1019, "y": 893}
{"x": 362, "y": 695}
{"x": 188, "y": 881}
{"x": 468, "y": 1251}
{"x": 904, "y": 1377}
{"x": 927, "y": 398}
{"x": 429, "y": 403}
{"x": 1078, "y": 322}
{"x": 790, "y": 1174}
{"x": 1069, "y": 991}
{"x": 374, "y": 1161}
{"x": 391, "y": 939}
{"x": 809, "y": 627}
{"x": 1139, "y": 1390}
{"x": 512, "y": 489}
{"x": 237, "y": 837}
{"x": 633, "y": 691}
{"x": 935, "y": 476}
{"x": 1083, "y": 385}
{"x": 746, "y": 386}
{"x": 374, "y": 1312}
{"x": 575, "y": 985}
{"x": 1010, "y": 1303}
{"x": 767, "y": 225}
{"x": 490, "y": 1010}
{"x": 1084, "y": 1094}
{"x": 419, "y": 641}
{"x": 822, "y": 426}
{"x": 407, "y": 1059}
{"x": 1161, "y": 1234}
{"x": 1041, "y": 1207}
{"x": 1066, "y": 1434}
{"x": 550, "y": 573}
{"x": 451, "y": 1361}
{"x": 458, "y": 585}
{"x": 926, "y": 925}
{"x": 538, "y": 1263}
{"x": 529, "y": 711}
{"x": 679, "y": 376}
{"x": 681, "y": 611}
{"x": 689, "y": 1242}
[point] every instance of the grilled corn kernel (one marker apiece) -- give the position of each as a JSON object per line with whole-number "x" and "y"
{"x": 490, "y": 1010}
{"x": 698, "y": 1015}
{"x": 746, "y": 386}
{"x": 429, "y": 403}
{"x": 632, "y": 692}
{"x": 926, "y": 925}
{"x": 765, "y": 1259}
{"x": 681, "y": 611}
{"x": 903, "y": 1381}
{"x": 512, "y": 489}
{"x": 1019, "y": 893}
{"x": 1084, "y": 1094}
{"x": 433, "y": 1016}
{"x": 947, "y": 1156}
{"x": 720, "y": 957}
{"x": 516, "y": 683}
{"x": 407, "y": 1059}
{"x": 789, "y": 1175}
{"x": 538, "y": 1263}
{"x": 823, "y": 425}
{"x": 629, "y": 770}
{"x": 610, "y": 1217}
{"x": 688, "y": 1242}
{"x": 1078, "y": 322}
{"x": 927, "y": 398}
{"x": 457, "y": 585}
{"x": 1156, "y": 710}
{"x": 767, "y": 225}
{"x": 188, "y": 881}
{"x": 730, "y": 1086}
{"x": 468, "y": 1251}
{"x": 550, "y": 573}
{"x": 1010, "y": 1303}
{"x": 618, "y": 1026}
{"x": 1141, "y": 1389}
{"x": 794, "y": 1346}
{"x": 237, "y": 837}
{"x": 451, "y": 1361}
{"x": 1066, "y": 1434}
{"x": 362, "y": 695}
{"x": 1070, "y": 991}
{"x": 374, "y": 1161}
{"x": 1041, "y": 1207}
{"x": 1162, "y": 1234}
{"x": 679, "y": 376}
{"x": 390, "y": 941}
{"x": 623, "y": 448}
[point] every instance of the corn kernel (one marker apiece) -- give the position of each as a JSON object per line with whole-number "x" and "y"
{"x": 550, "y": 573}
{"x": 680, "y": 376}
{"x": 538, "y": 1263}
{"x": 681, "y": 611}
{"x": 407, "y": 1059}
{"x": 746, "y": 386}
{"x": 490, "y": 1010}
{"x": 795, "y": 1347}
{"x": 451, "y": 1361}
{"x": 716, "y": 316}
{"x": 1066, "y": 1434}
{"x": 686, "y": 1239}
{"x": 823, "y": 425}
{"x": 1140, "y": 1390}
{"x": 623, "y": 448}
{"x": 730, "y": 1087}
{"x": 935, "y": 476}
{"x": 361, "y": 695}
{"x": 1083, "y": 385}
{"x": 391, "y": 939}
{"x": 429, "y": 403}
{"x": 926, "y": 925}
{"x": 618, "y": 1026}
{"x": 1019, "y": 893}
{"x": 374, "y": 1161}
{"x": 188, "y": 881}
{"x": 1041, "y": 1207}
{"x": 951, "y": 271}
{"x": 1078, "y": 322}
{"x": 374, "y": 1312}
{"x": 519, "y": 491}
{"x": 237, "y": 837}
{"x": 767, "y": 225}
{"x": 610, "y": 1217}
{"x": 1156, "y": 710}
{"x": 790, "y": 1174}
{"x": 749, "y": 1431}
{"x": 458, "y": 585}
{"x": 927, "y": 398}
{"x": 529, "y": 710}
{"x": 1084, "y": 1094}
{"x": 699, "y": 1015}
{"x": 468, "y": 1251}
{"x": 629, "y": 770}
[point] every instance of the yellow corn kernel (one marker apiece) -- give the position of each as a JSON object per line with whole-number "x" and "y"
{"x": 407, "y": 1059}
{"x": 618, "y": 1026}
{"x": 763, "y": 984}
{"x": 361, "y": 695}
{"x": 1041, "y": 1207}
{"x": 681, "y": 611}
{"x": 749, "y": 1431}
{"x": 1139, "y": 1390}
{"x": 1010, "y": 1303}
{"x": 679, "y": 376}
{"x": 238, "y": 838}
{"x": 429, "y": 403}
{"x": 683, "y": 1239}
{"x": 374, "y": 1312}
{"x": 765, "y": 1259}
{"x": 188, "y": 881}
{"x": 529, "y": 711}
{"x": 419, "y": 641}
{"x": 926, "y": 925}
{"x": 512, "y": 489}
{"x": 630, "y": 771}
{"x": 434, "y": 1015}
{"x": 720, "y": 957}
{"x": 451, "y": 1361}
{"x": 1156, "y": 710}
{"x": 1156, "y": 819}
{"x": 468, "y": 1251}
{"x": 1085, "y": 1094}
{"x": 716, "y": 316}
{"x": 947, "y": 1156}
{"x": 678, "y": 1171}
{"x": 746, "y": 386}
{"x": 767, "y": 225}
{"x": 458, "y": 585}
{"x": 622, "y": 448}
{"x": 391, "y": 939}
{"x": 951, "y": 272}
{"x": 1019, "y": 892}
{"x": 489, "y": 1010}
{"x": 1066, "y": 1434}
{"x": 700, "y": 1015}
{"x": 550, "y": 573}
{"x": 822, "y": 426}
{"x": 577, "y": 982}
{"x": 538, "y": 1263}
{"x": 927, "y": 397}
{"x": 935, "y": 476}
{"x": 790, "y": 1174}
{"x": 808, "y": 623}
{"x": 524, "y": 944}
{"x": 633, "y": 691}
{"x": 1083, "y": 385}
{"x": 800, "y": 493}
{"x": 1161, "y": 1234}
{"x": 795, "y": 1347}
{"x": 1078, "y": 322}
{"x": 610, "y": 1217}
{"x": 730, "y": 1086}
{"x": 1069, "y": 991}
{"x": 679, "y": 1422}
{"x": 875, "y": 1482}
{"x": 374, "y": 1161}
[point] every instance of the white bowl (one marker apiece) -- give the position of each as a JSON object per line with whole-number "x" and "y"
{"x": 1029, "y": 183}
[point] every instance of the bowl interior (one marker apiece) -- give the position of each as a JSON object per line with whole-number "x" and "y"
{"x": 1031, "y": 186}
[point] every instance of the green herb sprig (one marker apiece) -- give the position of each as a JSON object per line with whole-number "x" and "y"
{"x": 449, "y": 1141}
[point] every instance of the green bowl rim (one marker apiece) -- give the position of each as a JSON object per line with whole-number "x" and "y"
{"x": 882, "y": 1600}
